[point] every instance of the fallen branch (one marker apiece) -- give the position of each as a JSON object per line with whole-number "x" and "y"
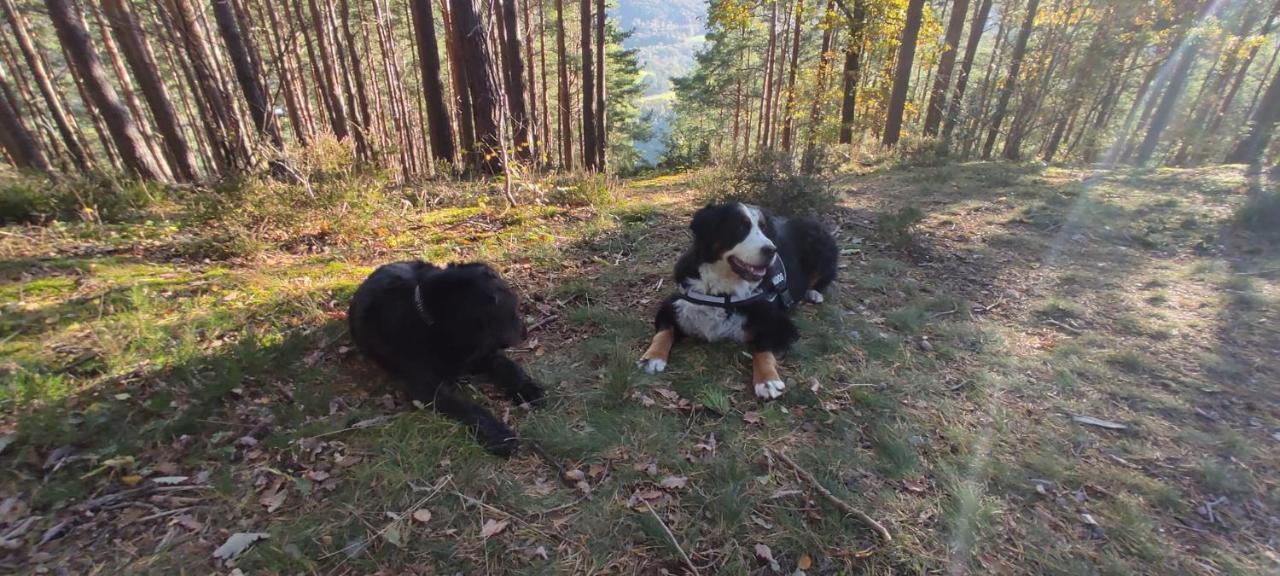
{"x": 838, "y": 503}
{"x": 674, "y": 542}
{"x": 544, "y": 322}
{"x": 1066, "y": 327}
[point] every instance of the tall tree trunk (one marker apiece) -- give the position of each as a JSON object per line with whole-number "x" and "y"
{"x": 590, "y": 138}
{"x": 564, "y": 113}
{"x": 820, "y": 82}
{"x": 16, "y": 140}
{"x": 395, "y": 92}
{"x": 429, "y": 60}
{"x": 124, "y": 133}
{"x": 788, "y": 120}
{"x": 458, "y": 81}
{"x": 66, "y": 124}
{"x": 545, "y": 144}
{"x": 1164, "y": 112}
{"x": 513, "y": 66}
{"x": 1011, "y": 81}
{"x": 1077, "y": 90}
{"x": 976, "y": 28}
{"x": 1261, "y": 126}
{"x": 1224, "y": 107}
{"x": 481, "y": 84}
{"x": 292, "y": 101}
{"x": 356, "y": 70}
{"x": 1033, "y": 97}
{"x": 602, "y": 132}
{"x": 328, "y": 81}
{"x": 902, "y": 74}
{"x": 137, "y": 51}
{"x": 224, "y": 130}
{"x": 951, "y": 43}
{"x": 535, "y": 134}
{"x": 773, "y": 131}
{"x": 247, "y": 74}
{"x": 128, "y": 94}
{"x": 850, "y": 74}
{"x": 762, "y": 138}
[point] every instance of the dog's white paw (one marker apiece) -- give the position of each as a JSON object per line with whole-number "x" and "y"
{"x": 770, "y": 389}
{"x": 652, "y": 365}
{"x": 813, "y": 296}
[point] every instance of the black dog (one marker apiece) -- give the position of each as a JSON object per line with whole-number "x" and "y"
{"x": 743, "y": 274}
{"x": 428, "y": 326}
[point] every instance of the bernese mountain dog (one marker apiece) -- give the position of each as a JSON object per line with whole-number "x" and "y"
{"x": 743, "y": 275}
{"x": 428, "y": 326}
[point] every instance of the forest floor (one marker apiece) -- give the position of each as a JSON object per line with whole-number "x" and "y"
{"x": 1064, "y": 373}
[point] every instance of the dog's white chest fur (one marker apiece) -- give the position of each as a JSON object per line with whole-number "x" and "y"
{"x": 710, "y": 323}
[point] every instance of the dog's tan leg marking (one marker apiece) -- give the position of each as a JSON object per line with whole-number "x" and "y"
{"x": 764, "y": 374}
{"x": 655, "y": 358}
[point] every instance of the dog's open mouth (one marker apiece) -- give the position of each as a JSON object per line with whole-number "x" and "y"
{"x": 747, "y": 271}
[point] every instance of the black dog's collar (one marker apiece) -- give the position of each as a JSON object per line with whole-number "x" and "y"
{"x": 772, "y": 288}
{"x": 422, "y": 308}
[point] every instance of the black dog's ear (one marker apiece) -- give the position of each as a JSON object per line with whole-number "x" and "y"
{"x": 424, "y": 298}
{"x": 704, "y": 220}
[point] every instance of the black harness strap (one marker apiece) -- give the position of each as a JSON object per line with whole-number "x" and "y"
{"x": 772, "y": 289}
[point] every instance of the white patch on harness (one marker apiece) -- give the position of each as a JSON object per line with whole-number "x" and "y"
{"x": 710, "y": 323}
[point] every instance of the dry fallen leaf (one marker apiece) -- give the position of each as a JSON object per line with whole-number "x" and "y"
{"x": 764, "y": 553}
{"x": 674, "y": 482}
{"x": 237, "y": 543}
{"x": 493, "y": 527}
{"x": 805, "y": 562}
{"x": 752, "y": 417}
{"x": 131, "y": 480}
{"x": 574, "y": 475}
{"x": 916, "y": 486}
{"x": 272, "y": 501}
{"x": 422, "y": 515}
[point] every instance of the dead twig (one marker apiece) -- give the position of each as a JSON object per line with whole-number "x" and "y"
{"x": 1066, "y": 327}
{"x": 544, "y": 322}
{"x": 684, "y": 556}
{"x": 945, "y": 313}
{"x": 838, "y": 503}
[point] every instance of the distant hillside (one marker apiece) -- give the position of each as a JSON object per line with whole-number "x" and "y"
{"x": 666, "y": 33}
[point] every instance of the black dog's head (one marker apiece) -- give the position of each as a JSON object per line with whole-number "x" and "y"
{"x": 474, "y": 307}
{"x": 734, "y": 239}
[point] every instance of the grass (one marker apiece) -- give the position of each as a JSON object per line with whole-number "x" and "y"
{"x": 147, "y": 347}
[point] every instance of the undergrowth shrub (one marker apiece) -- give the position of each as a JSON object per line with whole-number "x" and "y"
{"x": 772, "y": 181}
{"x": 594, "y": 190}
{"x": 28, "y": 198}
{"x": 1261, "y": 214}
{"x": 897, "y": 227}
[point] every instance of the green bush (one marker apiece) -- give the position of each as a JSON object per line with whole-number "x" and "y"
{"x": 26, "y": 198}
{"x": 593, "y": 190}
{"x": 771, "y": 181}
{"x": 1261, "y": 214}
{"x": 896, "y": 227}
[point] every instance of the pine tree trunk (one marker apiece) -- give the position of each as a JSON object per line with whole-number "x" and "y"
{"x": 590, "y": 137}
{"x": 788, "y": 119}
{"x": 565, "y": 112}
{"x": 850, "y": 74}
{"x": 545, "y": 148}
{"x": 482, "y": 85}
{"x": 762, "y": 137}
{"x": 356, "y": 71}
{"x": 328, "y": 79}
{"x": 1261, "y": 126}
{"x": 824, "y": 68}
{"x": 779, "y": 79}
{"x": 602, "y": 132}
{"x": 1224, "y": 107}
{"x": 951, "y": 43}
{"x": 247, "y": 75}
{"x": 514, "y": 68}
{"x": 16, "y": 140}
{"x": 429, "y": 60}
{"x": 128, "y": 94}
{"x": 535, "y": 134}
{"x": 137, "y": 52}
{"x": 1011, "y": 81}
{"x": 976, "y": 28}
{"x": 1164, "y": 112}
{"x": 902, "y": 74}
{"x": 395, "y": 92}
{"x": 124, "y": 133}
{"x": 284, "y": 72}
{"x": 223, "y": 130}
{"x": 66, "y": 124}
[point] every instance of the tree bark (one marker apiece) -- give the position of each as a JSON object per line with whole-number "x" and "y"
{"x": 127, "y": 92}
{"x": 18, "y": 143}
{"x": 124, "y": 133}
{"x": 513, "y": 67}
{"x": 356, "y": 71}
{"x": 824, "y": 68}
{"x": 1261, "y": 126}
{"x": 850, "y": 75}
{"x": 566, "y": 124}
{"x": 535, "y": 134}
{"x": 602, "y": 132}
{"x": 590, "y": 138}
{"x": 137, "y": 52}
{"x": 481, "y": 84}
{"x": 976, "y": 28}
{"x": 328, "y": 81}
{"x": 788, "y": 120}
{"x": 545, "y": 144}
{"x": 762, "y": 138}
{"x": 1164, "y": 112}
{"x": 81, "y": 157}
{"x": 902, "y": 74}
{"x": 247, "y": 74}
{"x": 951, "y": 43}
{"x": 1011, "y": 81}
{"x": 429, "y": 60}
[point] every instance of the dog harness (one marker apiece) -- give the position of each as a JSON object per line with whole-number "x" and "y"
{"x": 772, "y": 289}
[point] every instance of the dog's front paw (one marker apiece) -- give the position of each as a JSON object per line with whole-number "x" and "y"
{"x": 813, "y": 297}
{"x": 531, "y": 393}
{"x": 499, "y": 440}
{"x": 770, "y": 389}
{"x": 652, "y": 365}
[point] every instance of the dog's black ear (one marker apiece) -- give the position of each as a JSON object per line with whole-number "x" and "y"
{"x": 704, "y": 220}
{"x": 425, "y": 298}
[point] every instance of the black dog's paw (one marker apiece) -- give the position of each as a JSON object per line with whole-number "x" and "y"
{"x": 499, "y": 440}
{"x": 532, "y": 394}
